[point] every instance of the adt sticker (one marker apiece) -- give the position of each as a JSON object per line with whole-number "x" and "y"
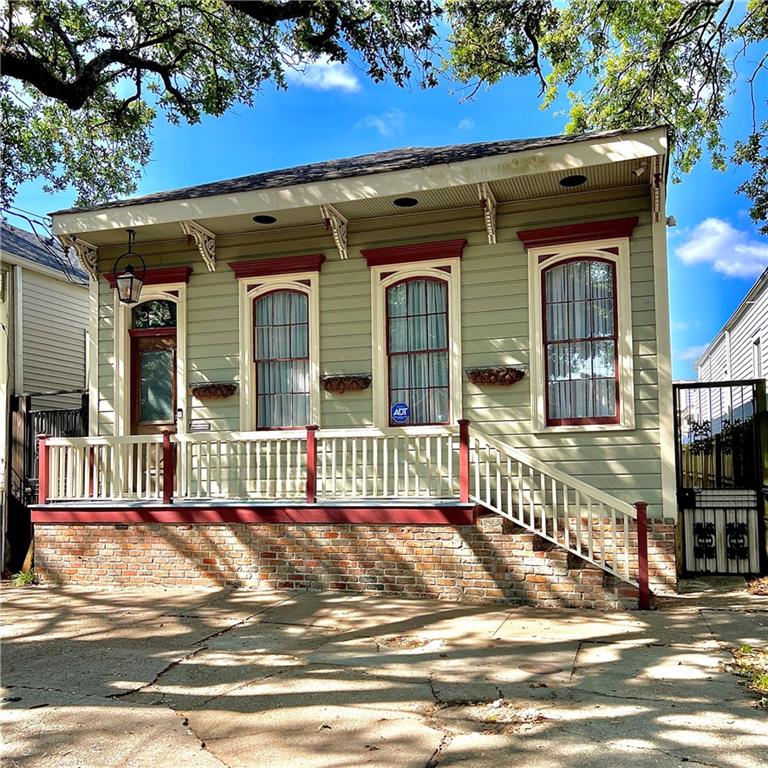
{"x": 400, "y": 412}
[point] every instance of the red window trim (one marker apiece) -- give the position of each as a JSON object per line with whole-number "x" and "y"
{"x": 591, "y": 420}
{"x": 284, "y": 266}
{"x": 159, "y": 276}
{"x": 576, "y": 233}
{"x": 426, "y": 351}
{"x": 399, "y": 254}
{"x": 255, "y": 360}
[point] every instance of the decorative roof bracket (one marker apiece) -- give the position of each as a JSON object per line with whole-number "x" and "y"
{"x": 205, "y": 241}
{"x": 488, "y": 205}
{"x": 656, "y": 179}
{"x": 86, "y": 252}
{"x": 334, "y": 221}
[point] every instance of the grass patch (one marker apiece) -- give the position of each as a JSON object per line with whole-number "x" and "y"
{"x": 752, "y": 663}
{"x": 24, "y": 578}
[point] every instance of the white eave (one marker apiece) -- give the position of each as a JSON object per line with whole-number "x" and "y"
{"x": 590, "y": 152}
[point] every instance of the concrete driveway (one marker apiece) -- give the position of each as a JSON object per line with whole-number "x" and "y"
{"x": 199, "y": 679}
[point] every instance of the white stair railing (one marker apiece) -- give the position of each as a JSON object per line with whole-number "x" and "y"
{"x": 560, "y": 508}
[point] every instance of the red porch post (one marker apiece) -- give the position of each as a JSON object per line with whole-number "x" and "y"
{"x": 464, "y": 461}
{"x": 311, "y": 464}
{"x": 169, "y": 468}
{"x": 644, "y": 598}
{"x": 42, "y": 470}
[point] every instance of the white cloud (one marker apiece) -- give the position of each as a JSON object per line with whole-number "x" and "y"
{"x": 680, "y": 325}
{"x": 387, "y": 124}
{"x": 733, "y": 252}
{"x": 324, "y": 75}
{"x": 689, "y": 354}
{"x": 465, "y": 124}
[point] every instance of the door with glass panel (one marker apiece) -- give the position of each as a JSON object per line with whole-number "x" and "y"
{"x": 153, "y": 367}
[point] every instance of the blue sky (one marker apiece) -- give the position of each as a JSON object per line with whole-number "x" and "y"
{"x": 715, "y": 252}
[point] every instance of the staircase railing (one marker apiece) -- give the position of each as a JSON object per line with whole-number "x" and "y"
{"x": 562, "y": 509}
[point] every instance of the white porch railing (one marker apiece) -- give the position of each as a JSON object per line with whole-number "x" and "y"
{"x": 241, "y": 465}
{"x": 387, "y": 464}
{"x": 314, "y": 465}
{"x": 105, "y": 468}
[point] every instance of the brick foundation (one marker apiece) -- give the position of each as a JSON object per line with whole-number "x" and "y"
{"x": 490, "y": 562}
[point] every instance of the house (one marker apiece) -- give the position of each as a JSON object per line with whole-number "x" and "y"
{"x": 434, "y": 371}
{"x": 722, "y": 438}
{"x": 737, "y": 351}
{"x": 43, "y": 325}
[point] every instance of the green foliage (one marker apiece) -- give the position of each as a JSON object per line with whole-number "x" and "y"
{"x": 24, "y": 578}
{"x": 83, "y": 80}
{"x": 629, "y": 64}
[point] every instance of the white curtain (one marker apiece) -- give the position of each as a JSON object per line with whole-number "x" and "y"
{"x": 417, "y": 336}
{"x": 580, "y": 340}
{"x": 282, "y": 359}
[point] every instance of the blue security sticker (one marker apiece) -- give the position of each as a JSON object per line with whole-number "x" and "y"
{"x": 400, "y": 412}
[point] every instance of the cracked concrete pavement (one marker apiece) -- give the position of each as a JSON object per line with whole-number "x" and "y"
{"x": 101, "y": 678}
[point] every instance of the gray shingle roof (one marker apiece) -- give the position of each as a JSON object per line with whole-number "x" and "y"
{"x": 47, "y": 253}
{"x": 362, "y": 165}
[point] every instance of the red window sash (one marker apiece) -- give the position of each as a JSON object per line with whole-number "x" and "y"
{"x": 390, "y": 354}
{"x": 257, "y": 359}
{"x": 588, "y": 420}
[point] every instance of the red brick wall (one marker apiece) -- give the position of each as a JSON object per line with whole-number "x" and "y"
{"x": 489, "y": 562}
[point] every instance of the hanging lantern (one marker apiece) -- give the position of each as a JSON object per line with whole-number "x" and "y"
{"x": 128, "y": 284}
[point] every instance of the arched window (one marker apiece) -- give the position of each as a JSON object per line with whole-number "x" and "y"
{"x": 281, "y": 354}
{"x": 417, "y": 348}
{"x": 581, "y": 342}
{"x": 155, "y": 313}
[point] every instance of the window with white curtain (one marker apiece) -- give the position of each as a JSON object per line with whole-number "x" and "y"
{"x": 417, "y": 348}
{"x": 581, "y": 342}
{"x": 281, "y": 352}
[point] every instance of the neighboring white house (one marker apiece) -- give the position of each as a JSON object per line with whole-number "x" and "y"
{"x": 738, "y": 350}
{"x": 43, "y": 323}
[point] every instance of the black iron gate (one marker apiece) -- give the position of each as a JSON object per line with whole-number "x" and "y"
{"x": 26, "y": 426}
{"x": 719, "y": 465}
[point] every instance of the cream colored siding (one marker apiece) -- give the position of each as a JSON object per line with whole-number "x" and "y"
{"x": 494, "y": 316}
{"x": 55, "y": 321}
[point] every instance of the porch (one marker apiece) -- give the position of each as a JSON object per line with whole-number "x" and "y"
{"x": 436, "y": 476}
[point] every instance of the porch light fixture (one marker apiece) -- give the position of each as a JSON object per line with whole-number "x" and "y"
{"x": 264, "y": 219}
{"x": 405, "y": 202}
{"x": 573, "y": 181}
{"x": 129, "y": 284}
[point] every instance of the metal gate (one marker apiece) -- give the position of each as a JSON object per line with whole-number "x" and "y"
{"x": 26, "y": 426}
{"x": 720, "y": 474}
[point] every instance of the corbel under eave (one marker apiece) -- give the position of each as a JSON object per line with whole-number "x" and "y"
{"x": 86, "y": 252}
{"x": 338, "y": 225}
{"x": 205, "y": 241}
{"x": 656, "y": 181}
{"x": 488, "y": 205}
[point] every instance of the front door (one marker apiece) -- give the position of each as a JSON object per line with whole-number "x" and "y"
{"x": 153, "y": 383}
{"x": 153, "y": 368}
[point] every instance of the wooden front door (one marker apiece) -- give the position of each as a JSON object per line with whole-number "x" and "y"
{"x": 153, "y": 381}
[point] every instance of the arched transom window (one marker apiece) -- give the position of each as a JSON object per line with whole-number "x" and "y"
{"x": 281, "y": 355}
{"x": 580, "y": 342}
